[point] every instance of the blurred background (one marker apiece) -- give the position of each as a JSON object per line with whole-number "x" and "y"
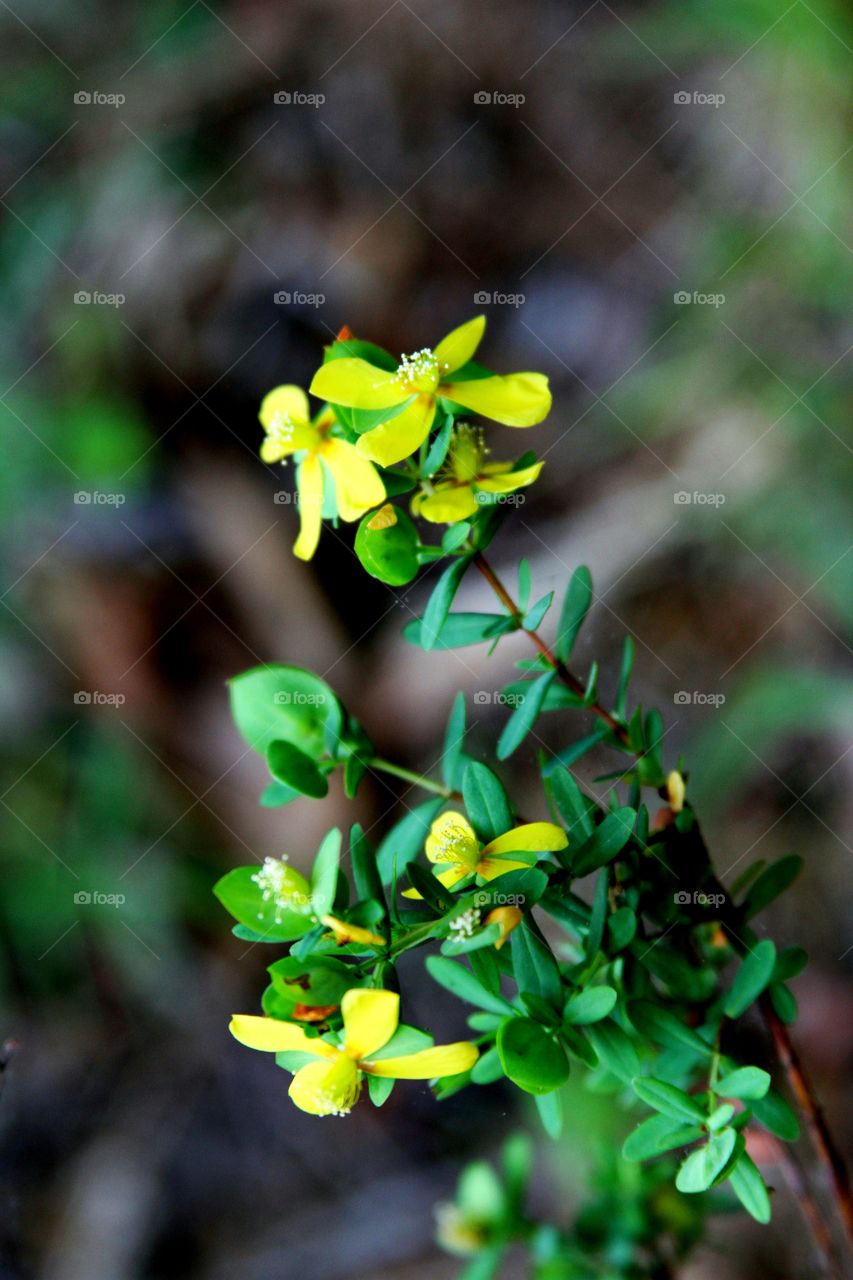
{"x": 650, "y": 202}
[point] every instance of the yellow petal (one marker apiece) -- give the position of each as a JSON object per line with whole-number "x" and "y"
{"x": 370, "y": 1020}
{"x": 452, "y": 839}
{"x": 274, "y": 1036}
{"x": 507, "y": 919}
{"x": 447, "y": 878}
{"x": 516, "y": 400}
{"x": 357, "y": 483}
{"x": 344, "y": 932}
{"x": 448, "y": 503}
{"x": 491, "y": 868}
{"x": 284, "y": 402}
{"x": 442, "y": 1060}
{"x": 510, "y": 480}
{"x": 358, "y": 385}
{"x": 399, "y": 437}
{"x": 327, "y": 1088}
{"x": 533, "y": 837}
{"x": 310, "y": 507}
{"x": 459, "y": 345}
{"x": 675, "y": 791}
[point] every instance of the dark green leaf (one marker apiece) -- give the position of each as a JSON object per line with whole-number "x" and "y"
{"x": 608, "y": 840}
{"x": 575, "y": 608}
{"x": 748, "y": 1186}
{"x": 614, "y": 1049}
{"x": 772, "y": 881}
{"x": 669, "y": 1100}
{"x": 324, "y": 873}
{"x": 658, "y": 1134}
{"x": 455, "y": 978}
{"x": 590, "y": 1005}
{"x": 406, "y": 839}
{"x": 531, "y": 1057}
{"x": 461, "y": 629}
{"x": 575, "y": 810}
{"x": 438, "y": 605}
{"x": 365, "y": 872}
{"x": 296, "y": 770}
{"x": 664, "y": 1027}
{"x": 774, "y": 1113}
{"x": 524, "y": 716}
{"x": 535, "y": 968}
{"x": 486, "y": 801}
{"x": 751, "y": 978}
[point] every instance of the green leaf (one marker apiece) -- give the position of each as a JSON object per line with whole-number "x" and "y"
{"x": 590, "y": 1005}
{"x": 406, "y": 839}
{"x": 550, "y": 1108}
{"x": 666, "y": 1029}
{"x": 598, "y": 916}
{"x": 324, "y": 873}
{"x": 296, "y": 770}
{"x": 575, "y": 810}
{"x": 773, "y": 881}
{"x": 284, "y": 703}
{"x": 438, "y": 449}
{"x": 461, "y": 629}
{"x": 316, "y": 980}
{"x": 241, "y": 896}
{"x": 379, "y": 1089}
{"x": 365, "y": 872}
{"x": 488, "y": 1068}
{"x": 486, "y": 801}
{"x": 438, "y": 605}
{"x": 748, "y": 1186}
{"x": 608, "y": 840}
{"x": 751, "y": 978}
{"x": 745, "y": 1082}
{"x": 669, "y": 1100}
{"x": 621, "y": 700}
{"x": 577, "y": 749}
{"x": 614, "y": 1049}
{"x": 790, "y": 962}
{"x": 429, "y": 887}
{"x": 453, "y": 759}
{"x": 461, "y": 982}
{"x": 536, "y": 612}
{"x": 622, "y": 927}
{"x": 534, "y": 966}
{"x": 773, "y": 1112}
{"x": 525, "y": 581}
{"x": 276, "y": 794}
{"x": 702, "y": 1167}
{"x": 657, "y": 1134}
{"x": 525, "y": 715}
{"x": 575, "y": 608}
{"x": 531, "y": 1057}
{"x": 784, "y": 1002}
{"x": 354, "y": 770}
{"x": 386, "y": 543}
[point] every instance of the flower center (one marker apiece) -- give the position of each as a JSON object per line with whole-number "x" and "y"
{"x": 337, "y": 1089}
{"x": 464, "y": 925}
{"x": 284, "y": 887}
{"x": 418, "y": 372}
{"x": 466, "y": 455}
{"x": 455, "y": 845}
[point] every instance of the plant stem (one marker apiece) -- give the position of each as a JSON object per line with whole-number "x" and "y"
{"x": 821, "y": 1137}
{"x": 408, "y": 775}
{"x": 568, "y": 678}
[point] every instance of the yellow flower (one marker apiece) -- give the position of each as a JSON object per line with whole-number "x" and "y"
{"x": 507, "y": 918}
{"x": 331, "y": 1085}
{"x": 453, "y": 841}
{"x": 285, "y": 418}
{"x": 675, "y": 791}
{"x": 454, "y": 496}
{"x": 344, "y": 933}
{"x": 516, "y": 400}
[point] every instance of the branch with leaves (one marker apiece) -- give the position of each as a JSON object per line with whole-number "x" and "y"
{"x": 640, "y": 986}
